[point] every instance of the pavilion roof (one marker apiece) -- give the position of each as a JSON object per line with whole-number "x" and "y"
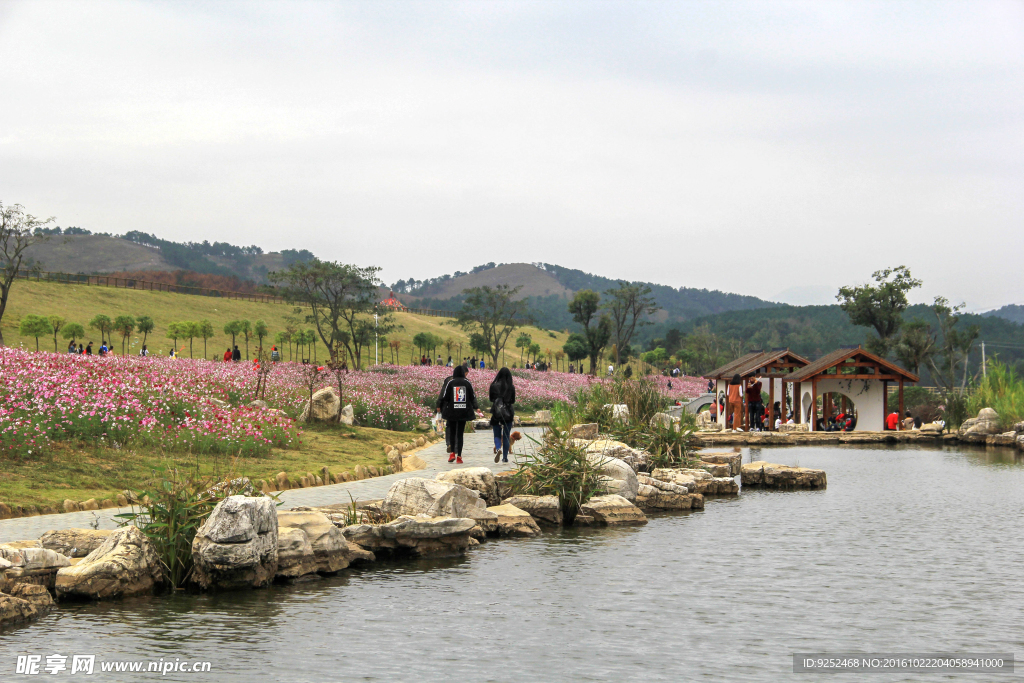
{"x": 841, "y": 356}
{"x": 750, "y": 363}
{"x": 727, "y": 370}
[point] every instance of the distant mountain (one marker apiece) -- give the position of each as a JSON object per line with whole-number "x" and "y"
{"x": 549, "y": 288}
{"x": 533, "y": 280}
{"x": 1011, "y": 312}
{"x": 79, "y": 251}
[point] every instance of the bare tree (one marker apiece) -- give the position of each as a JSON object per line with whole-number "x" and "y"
{"x": 629, "y": 306}
{"x": 17, "y": 233}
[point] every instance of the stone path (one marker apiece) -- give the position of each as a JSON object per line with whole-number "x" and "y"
{"x": 477, "y": 452}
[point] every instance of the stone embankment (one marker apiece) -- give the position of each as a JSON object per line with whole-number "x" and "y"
{"x": 247, "y": 543}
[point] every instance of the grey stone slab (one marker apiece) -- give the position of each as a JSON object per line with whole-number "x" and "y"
{"x": 477, "y": 452}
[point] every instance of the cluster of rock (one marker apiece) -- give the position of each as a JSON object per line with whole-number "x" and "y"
{"x": 763, "y": 474}
{"x": 31, "y": 572}
{"x": 629, "y": 473}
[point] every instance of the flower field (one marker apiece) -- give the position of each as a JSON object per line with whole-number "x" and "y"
{"x": 201, "y": 406}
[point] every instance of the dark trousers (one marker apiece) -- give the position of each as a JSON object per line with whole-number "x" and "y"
{"x": 453, "y": 435}
{"x": 501, "y": 434}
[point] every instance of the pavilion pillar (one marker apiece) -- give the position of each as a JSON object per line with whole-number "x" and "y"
{"x": 771, "y": 404}
{"x": 813, "y": 417}
{"x": 885, "y": 402}
{"x": 901, "y": 400}
{"x": 798, "y": 400}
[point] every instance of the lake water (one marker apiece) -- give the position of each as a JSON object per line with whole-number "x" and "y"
{"x": 908, "y": 550}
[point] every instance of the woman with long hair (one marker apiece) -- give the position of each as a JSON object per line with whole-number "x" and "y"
{"x": 502, "y": 395}
{"x": 457, "y": 404}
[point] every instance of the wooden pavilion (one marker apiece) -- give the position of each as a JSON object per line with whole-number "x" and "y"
{"x": 775, "y": 366}
{"x": 848, "y": 372}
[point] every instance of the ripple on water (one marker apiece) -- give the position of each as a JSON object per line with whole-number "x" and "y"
{"x": 907, "y": 550}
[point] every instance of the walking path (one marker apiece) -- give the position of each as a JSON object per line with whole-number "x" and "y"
{"x": 477, "y": 452}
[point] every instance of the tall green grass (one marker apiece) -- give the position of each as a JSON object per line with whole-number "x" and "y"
{"x": 1002, "y": 389}
{"x": 560, "y": 468}
{"x": 667, "y": 445}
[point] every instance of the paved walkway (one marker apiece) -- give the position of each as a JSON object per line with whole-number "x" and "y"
{"x": 477, "y": 452}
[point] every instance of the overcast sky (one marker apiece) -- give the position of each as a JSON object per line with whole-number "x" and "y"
{"x": 775, "y": 149}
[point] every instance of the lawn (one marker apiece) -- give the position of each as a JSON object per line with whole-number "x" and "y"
{"x": 81, "y": 471}
{"x": 79, "y": 303}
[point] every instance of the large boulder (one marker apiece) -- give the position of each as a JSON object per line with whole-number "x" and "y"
{"x": 584, "y": 431}
{"x": 308, "y": 542}
{"x": 656, "y": 494}
{"x": 733, "y": 459}
{"x": 619, "y": 411}
{"x": 419, "y": 535}
{"x": 419, "y": 496}
{"x": 74, "y": 542}
{"x": 612, "y": 510}
{"x": 705, "y": 423}
{"x": 771, "y": 475}
{"x": 31, "y": 565}
{"x": 985, "y": 424}
{"x": 348, "y": 415}
{"x": 35, "y": 594}
{"x": 786, "y": 427}
{"x": 637, "y": 460}
{"x": 665, "y": 421}
{"x": 479, "y": 479}
{"x": 124, "y": 564}
{"x": 16, "y": 610}
{"x": 617, "y": 477}
{"x": 697, "y": 481}
{"x": 545, "y": 509}
{"x": 237, "y": 545}
{"x": 514, "y": 522}
{"x": 542, "y": 417}
{"x": 324, "y": 406}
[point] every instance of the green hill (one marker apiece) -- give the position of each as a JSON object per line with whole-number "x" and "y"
{"x": 548, "y": 289}
{"x": 813, "y": 331}
{"x": 79, "y": 303}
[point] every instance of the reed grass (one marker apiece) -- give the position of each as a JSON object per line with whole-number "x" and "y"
{"x": 1002, "y": 389}
{"x": 558, "y": 467}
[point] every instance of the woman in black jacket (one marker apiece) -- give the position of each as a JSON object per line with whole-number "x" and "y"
{"x": 457, "y": 404}
{"x": 502, "y": 395}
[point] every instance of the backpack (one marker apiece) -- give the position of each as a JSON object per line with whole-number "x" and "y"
{"x": 502, "y": 411}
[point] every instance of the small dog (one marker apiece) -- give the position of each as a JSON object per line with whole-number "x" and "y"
{"x": 513, "y": 437}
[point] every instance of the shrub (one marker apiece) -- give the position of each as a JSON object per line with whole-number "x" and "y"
{"x": 170, "y": 513}
{"x": 558, "y": 468}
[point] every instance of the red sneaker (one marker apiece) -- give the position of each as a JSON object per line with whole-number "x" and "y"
{"x": 451, "y": 457}
{"x": 458, "y": 460}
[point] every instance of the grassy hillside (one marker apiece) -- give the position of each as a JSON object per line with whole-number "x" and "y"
{"x": 95, "y": 254}
{"x": 79, "y": 304}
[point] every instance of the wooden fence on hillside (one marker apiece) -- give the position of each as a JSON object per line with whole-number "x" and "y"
{"x": 143, "y": 285}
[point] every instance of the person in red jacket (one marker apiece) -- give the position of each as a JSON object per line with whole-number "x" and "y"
{"x": 892, "y": 421}
{"x": 227, "y": 355}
